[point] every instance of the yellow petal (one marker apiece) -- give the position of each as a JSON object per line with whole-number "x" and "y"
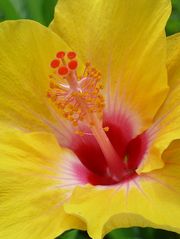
{"x": 173, "y": 60}
{"x": 26, "y": 51}
{"x": 150, "y": 200}
{"x": 125, "y": 38}
{"x": 31, "y": 188}
{"x": 166, "y": 127}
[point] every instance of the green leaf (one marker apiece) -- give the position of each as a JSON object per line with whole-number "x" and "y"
{"x": 48, "y": 10}
{"x": 35, "y": 10}
{"x": 124, "y": 233}
{"x": 72, "y": 234}
{"x": 8, "y": 10}
{"x": 173, "y": 24}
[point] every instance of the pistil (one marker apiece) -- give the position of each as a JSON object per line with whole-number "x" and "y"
{"x": 116, "y": 165}
{"x": 81, "y": 102}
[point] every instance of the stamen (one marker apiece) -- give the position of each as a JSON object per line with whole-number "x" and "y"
{"x": 79, "y": 132}
{"x": 106, "y": 129}
{"x": 80, "y": 100}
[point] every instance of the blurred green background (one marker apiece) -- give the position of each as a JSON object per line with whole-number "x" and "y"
{"x": 42, "y": 11}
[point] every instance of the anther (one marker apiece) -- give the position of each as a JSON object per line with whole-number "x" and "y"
{"x": 88, "y": 64}
{"x": 49, "y": 94}
{"x": 79, "y": 132}
{"x": 106, "y": 129}
{"x": 52, "y": 84}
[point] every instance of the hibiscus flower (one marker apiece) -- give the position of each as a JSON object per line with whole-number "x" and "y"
{"x": 89, "y": 118}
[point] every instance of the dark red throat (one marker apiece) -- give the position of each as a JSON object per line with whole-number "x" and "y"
{"x": 130, "y": 149}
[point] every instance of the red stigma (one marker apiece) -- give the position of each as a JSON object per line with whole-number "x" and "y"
{"x": 55, "y": 63}
{"x": 71, "y": 55}
{"x": 60, "y": 54}
{"x": 72, "y": 65}
{"x": 63, "y": 71}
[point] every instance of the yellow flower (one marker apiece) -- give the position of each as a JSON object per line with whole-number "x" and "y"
{"x": 74, "y": 155}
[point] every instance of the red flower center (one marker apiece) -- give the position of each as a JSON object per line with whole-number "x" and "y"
{"x": 130, "y": 151}
{"x": 105, "y": 146}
